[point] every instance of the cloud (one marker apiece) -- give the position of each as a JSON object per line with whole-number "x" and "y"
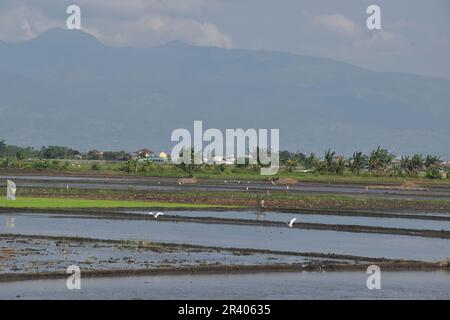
{"x": 156, "y": 29}
{"x": 355, "y": 39}
{"x": 144, "y": 7}
{"x": 338, "y": 24}
{"x": 139, "y": 23}
{"x": 21, "y": 23}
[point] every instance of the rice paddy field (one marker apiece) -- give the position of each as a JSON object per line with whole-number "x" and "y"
{"x": 233, "y": 235}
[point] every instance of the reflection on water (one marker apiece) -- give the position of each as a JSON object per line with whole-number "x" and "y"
{"x": 301, "y": 285}
{"x": 10, "y": 222}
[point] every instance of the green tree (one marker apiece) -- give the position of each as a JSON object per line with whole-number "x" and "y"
{"x": 358, "y": 161}
{"x": 311, "y": 161}
{"x": 340, "y": 166}
{"x": 191, "y": 167}
{"x": 405, "y": 165}
{"x": 329, "y": 156}
{"x": 131, "y": 166}
{"x": 291, "y": 165}
{"x": 432, "y": 161}
{"x": 54, "y": 152}
{"x": 417, "y": 163}
{"x": 379, "y": 161}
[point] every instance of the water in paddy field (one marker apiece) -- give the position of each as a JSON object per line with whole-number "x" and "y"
{"x": 302, "y": 285}
{"x": 237, "y": 236}
{"x": 316, "y": 218}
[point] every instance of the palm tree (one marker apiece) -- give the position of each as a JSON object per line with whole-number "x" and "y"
{"x": 311, "y": 161}
{"x": 20, "y": 156}
{"x": 329, "y": 155}
{"x": 432, "y": 161}
{"x": 405, "y": 164}
{"x": 357, "y": 162}
{"x": 433, "y": 167}
{"x": 379, "y": 161}
{"x": 340, "y": 166}
{"x": 291, "y": 164}
{"x": 417, "y": 163}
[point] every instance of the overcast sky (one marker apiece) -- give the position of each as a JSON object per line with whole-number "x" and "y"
{"x": 415, "y": 35}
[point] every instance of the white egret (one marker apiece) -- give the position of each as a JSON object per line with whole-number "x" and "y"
{"x": 291, "y": 223}
{"x": 156, "y": 215}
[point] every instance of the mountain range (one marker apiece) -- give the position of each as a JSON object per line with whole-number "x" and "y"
{"x": 67, "y": 88}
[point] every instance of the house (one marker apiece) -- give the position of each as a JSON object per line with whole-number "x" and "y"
{"x": 144, "y": 153}
{"x": 95, "y": 155}
{"x": 162, "y": 157}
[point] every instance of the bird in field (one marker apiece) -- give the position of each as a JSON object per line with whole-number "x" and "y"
{"x": 156, "y": 215}
{"x": 291, "y": 223}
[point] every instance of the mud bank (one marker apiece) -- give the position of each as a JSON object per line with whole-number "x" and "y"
{"x": 223, "y": 269}
{"x": 24, "y": 257}
{"x": 110, "y": 212}
{"x": 183, "y": 246}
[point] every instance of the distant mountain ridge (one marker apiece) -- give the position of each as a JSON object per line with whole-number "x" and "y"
{"x": 65, "y": 87}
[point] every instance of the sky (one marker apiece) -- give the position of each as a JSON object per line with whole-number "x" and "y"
{"x": 415, "y": 34}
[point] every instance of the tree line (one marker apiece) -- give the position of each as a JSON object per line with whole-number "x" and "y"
{"x": 379, "y": 162}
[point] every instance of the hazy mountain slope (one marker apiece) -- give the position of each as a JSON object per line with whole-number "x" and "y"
{"x": 65, "y": 87}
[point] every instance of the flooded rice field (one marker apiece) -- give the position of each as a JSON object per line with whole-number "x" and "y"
{"x": 315, "y": 218}
{"x": 233, "y": 236}
{"x": 297, "y": 285}
{"x": 128, "y": 257}
{"x": 22, "y": 254}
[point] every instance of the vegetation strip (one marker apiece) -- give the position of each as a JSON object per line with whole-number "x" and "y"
{"x": 45, "y": 203}
{"x": 306, "y": 211}
{"x": 275, "y": 200}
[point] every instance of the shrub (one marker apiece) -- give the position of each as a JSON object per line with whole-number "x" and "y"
{"x": 40, "y": 165}
{"x": 434, "y": 173}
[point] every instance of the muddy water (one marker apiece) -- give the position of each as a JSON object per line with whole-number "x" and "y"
{"x": 48, "y": 255}
{"x": 304, "y": 285}
{"x": 237, "y": 236}
{"x": 316, "y": 218}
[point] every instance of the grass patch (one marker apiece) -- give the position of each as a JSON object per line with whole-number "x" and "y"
{"x": 65, "y": 203}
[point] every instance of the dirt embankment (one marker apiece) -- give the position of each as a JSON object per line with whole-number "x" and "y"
{"x": 225, "y": 269}
{"x": 272, "y": 201}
